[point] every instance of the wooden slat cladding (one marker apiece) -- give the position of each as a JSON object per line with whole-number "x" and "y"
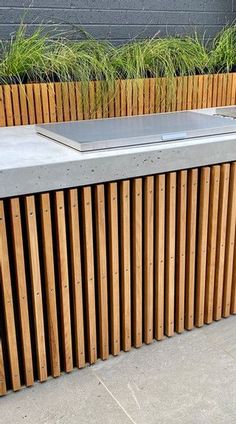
{"x": 56, "y": 102}
{"x": 88, "y": 271}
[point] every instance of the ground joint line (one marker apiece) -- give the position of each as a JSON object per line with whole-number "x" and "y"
{"x": 116, "y": 400}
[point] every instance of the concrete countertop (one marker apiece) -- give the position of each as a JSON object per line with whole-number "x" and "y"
{"x": 30, "y": 163}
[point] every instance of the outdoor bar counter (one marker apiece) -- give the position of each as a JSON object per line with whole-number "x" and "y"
{"x": 107, "y": 249}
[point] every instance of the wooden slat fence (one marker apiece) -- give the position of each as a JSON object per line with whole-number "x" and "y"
{"x": 89, "y": 272}
{"x": 56, "y": 102}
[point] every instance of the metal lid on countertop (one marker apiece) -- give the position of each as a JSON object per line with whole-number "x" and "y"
{"x": 111, "y": 133}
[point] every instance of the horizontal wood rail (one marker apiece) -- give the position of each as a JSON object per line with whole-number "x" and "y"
{"x": 56, "y": 102}
{"x": 89, "y": 272}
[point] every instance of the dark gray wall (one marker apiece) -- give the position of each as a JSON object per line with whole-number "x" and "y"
{"x": 119, "y": 20}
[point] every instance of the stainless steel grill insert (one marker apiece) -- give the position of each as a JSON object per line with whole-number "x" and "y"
{"x": 136, "y": 130}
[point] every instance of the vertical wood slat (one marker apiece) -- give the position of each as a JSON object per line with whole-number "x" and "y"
{"x": 65, "y": 102}
{"x": 92, "y": 100}
{"x": 49, "y": 281}
{"x": 35, "y": 273}
{"x": 52, "y": 102}
{"x": 20, "y": 275}
{"x": 117, "y": 98}
{"x": 76, "y": 278}
{"x": 146, "y": 96}
{"x": 3, "y": 122}
{"x": 159, "y": 256}
{"x": 111, "y": 102}
{"x": 233, "y": 90}
{"x": 45, "y": 102}
{"x": 170, "y": 253}
{"x": 219, "y": 90}
{"x": 123, "y": 98}
{"x": 59, "y": 102}
{"x": 23, "y": 104}
{"x": 215, "y": 90}
{"x": 200, "y": 91}
{"x": 113, "y": 238}
{"x": 140, "y": 83}
{"x": 3, "y": 387}
{"x": 137, "y": 240}
{"x": 38, "y": 103}
{"x": 104, "y": 101}
{"x": 148, "y": 265}
{"x": 8, "y": 105}
{"x": 211, "y": 242}
{"x": 6, "y": 289}
{"x": 63, "y": 279}
{"x": 190, "y": 93}
{"x": 191, "y": 247}
{"x": 180, "y": 250}
{"x": 125, "y": 263}
{"x": 221, "y": 238}
{"x": 233, "y": 290}
{"x": 202, "y": 245}
{"x": 30, "y": 103}
{"x": 89, "y": 282}
{"x": 209, "y": 91}
{"x": 230, "y": 242}
{"x": 179, "y": 94}
{"x": 15, "y": 104}
{"x": 79, "y": 101}
{"x": 72, "y": 102}
{"x": 101, "y": 269}
{"x": 152, "y": 95}
{"x": 129, "y": 97}
{"x": 99, "y": 111}
{"x": 206, "y": 92}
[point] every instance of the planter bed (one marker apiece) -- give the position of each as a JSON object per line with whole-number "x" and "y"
{"x": 105, "y": 250}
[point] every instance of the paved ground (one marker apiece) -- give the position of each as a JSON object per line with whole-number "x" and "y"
{"x": 188, "y": 379}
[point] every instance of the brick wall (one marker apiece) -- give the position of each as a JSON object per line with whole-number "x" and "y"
{"x": 119, "y": 20}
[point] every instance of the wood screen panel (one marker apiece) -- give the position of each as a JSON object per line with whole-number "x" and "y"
{"x": 56, "y": 102}
{"x": 102, "y": 268}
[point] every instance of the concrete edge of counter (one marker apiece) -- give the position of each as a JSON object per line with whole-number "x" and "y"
{"x": 68, "y": 174}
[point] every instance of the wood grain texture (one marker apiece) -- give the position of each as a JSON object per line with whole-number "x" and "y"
{"x": 125, "y": 257}
{"x": 89, "y": 282}
{"x": 3, "y": 387}
{"x": 113, "y": 255}
{"x": 211, "y": 242}
{"x": 159, "y": 256}
{"x": 180, "y": 250}
{"x": 101, "y": 254}
{"x": 3, "y": 121}
{"x": 74, "y": 211}
{"x": 202, "y": 245}
{"x": 137, "y": 262}
{"x": 20, "y": 277}
{"x": 191, "y": 247}
{"x": 148, "y": 259}
{"x": 50, "y": 283}
{"x": 170, "y": 253}
{"x": 221, "y": 239}
{"x": 63, "y": 273}
{"x": 36, "y": 288}
{"x": 8, "y": 308}
{"x": 230, "y": 242}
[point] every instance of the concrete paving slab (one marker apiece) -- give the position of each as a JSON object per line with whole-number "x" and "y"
{"x": 78, "y": 398}
{"x": 190, "y": 378}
